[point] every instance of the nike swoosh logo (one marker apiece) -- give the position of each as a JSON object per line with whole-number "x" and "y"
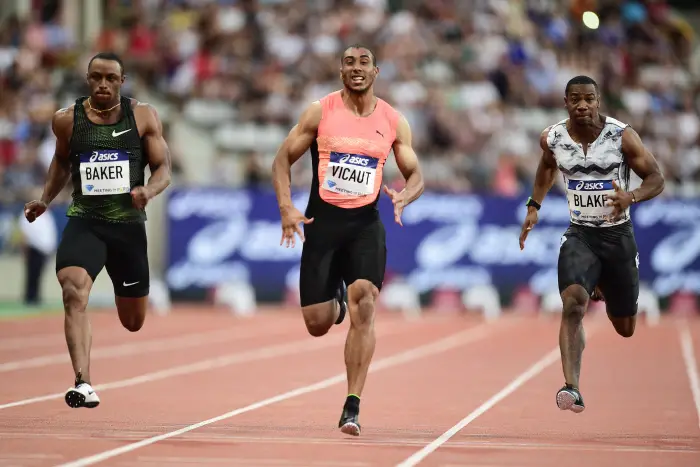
{"x": 115, "y": 134}
{"x": 129, "y": 285}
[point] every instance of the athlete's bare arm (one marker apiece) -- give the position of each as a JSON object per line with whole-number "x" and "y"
{"x": 407, "y": 162}
{"x": 157, "y": 152}
{"x": 644, "y": 164}
{"x": 59, "y": 170}
{"x": 546, "y": 170}
{"x": 544, "y": 180}
{"x": 297, "y": 142}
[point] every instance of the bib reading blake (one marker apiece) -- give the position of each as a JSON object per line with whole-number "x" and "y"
{"x": 587, "y": 199}
{"x": 104, "y": 172}
{"x": 350, "y": 174}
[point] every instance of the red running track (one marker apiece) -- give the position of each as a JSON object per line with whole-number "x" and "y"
{"x": 199, "y": 387}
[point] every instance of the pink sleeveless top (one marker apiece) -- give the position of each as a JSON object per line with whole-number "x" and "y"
{"x": 350, "y": 152}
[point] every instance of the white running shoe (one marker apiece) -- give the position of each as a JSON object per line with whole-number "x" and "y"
{"x": 82, "y": 395}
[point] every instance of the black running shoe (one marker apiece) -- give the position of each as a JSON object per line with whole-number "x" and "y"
{"x": 569, "y": 398}
{"x": 340, "y": 297}
{"x": 349, "y": 420}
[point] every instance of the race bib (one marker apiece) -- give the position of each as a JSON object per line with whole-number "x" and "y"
{"x": 587, "y": 199}
{"x": 104, "y": 172}
{"x": 350, "y": 174}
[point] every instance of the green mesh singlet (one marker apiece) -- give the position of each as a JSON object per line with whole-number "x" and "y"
{"x": 97, "y": 140}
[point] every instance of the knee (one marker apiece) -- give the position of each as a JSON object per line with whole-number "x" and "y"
{"x": 625, "y": 327}
{"x": 132, "y": 324}
{"x": 75, "y": 291}
{"x": 318, "y": 319}
{"x": 132, "y": 312}
{"x": 316, "y": 327}
{"x": 626, "y": 332}
{"x": 364, "y": 294}
{"x": 574, "y": 299}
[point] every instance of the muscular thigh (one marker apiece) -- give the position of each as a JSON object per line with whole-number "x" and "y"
{"x": 619, "y": 280}
{"x": 364, "y": 254}
{"x": 319, "y": 271}
{"x": 578, "y": 262}
{"x": 127, "y": 259}
{"x": 81, "y": 246}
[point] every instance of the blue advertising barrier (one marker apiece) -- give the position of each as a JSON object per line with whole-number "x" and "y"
{"x": 447, "y": 240}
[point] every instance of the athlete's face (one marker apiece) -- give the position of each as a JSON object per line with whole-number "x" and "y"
{"x": 105, "y": 79}
{"x": 582, "y": 102}
{"x": 358, "y": 70}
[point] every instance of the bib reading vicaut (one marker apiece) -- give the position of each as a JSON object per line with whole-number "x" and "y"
{"x": 351, "y": 174}
{"x": 589, "y": 178}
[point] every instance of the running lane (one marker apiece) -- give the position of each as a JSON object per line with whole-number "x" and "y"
{"x": 403, "y": 407}
{"x": 639, "y": 411}
{"x": 151, "y": 408}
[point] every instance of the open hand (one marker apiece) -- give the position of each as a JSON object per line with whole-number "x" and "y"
{"x": 291, "y": 218}
{"x": 529, "y": 223}
{"x": 399, "y": 201}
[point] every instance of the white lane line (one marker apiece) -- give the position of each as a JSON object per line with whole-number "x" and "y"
{"x": 523, "y": 378}
{"x": 691, "y": 366}
{"x": 151, "y": 345}
{"x": 280, "y": 350}
{"x": 439, "y": 346}
{"x": 538, "y": 367}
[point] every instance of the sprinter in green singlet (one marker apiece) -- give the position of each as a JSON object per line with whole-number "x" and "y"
{"x": 103, "y": 144}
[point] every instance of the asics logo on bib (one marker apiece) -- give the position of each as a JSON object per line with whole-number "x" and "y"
{"x": 591, "y": 186}
{"x": 104, "y": 157}
{"x": 354, "y": 160}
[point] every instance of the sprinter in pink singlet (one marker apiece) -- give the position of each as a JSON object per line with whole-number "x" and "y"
{"x": 350, "y": 134}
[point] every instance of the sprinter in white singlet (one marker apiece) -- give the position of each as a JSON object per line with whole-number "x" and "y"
{"x": 598, "y": 255}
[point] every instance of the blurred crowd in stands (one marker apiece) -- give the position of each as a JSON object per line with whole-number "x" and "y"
{"x": 477, "y": 79}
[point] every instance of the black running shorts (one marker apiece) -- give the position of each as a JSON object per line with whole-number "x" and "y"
{"x": 339, "y": 250}
{"x": 603, "y": 256}
{"x": 119, "y": 247}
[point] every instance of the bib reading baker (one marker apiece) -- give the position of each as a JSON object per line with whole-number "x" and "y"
{"x": 587, "y": 200}
{"x": 350, "y": 174}
{"x": 104, "y": 172}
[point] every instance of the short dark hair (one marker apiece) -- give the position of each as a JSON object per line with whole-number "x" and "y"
{"x": 581, "y": 79}
{"x": 360, "y": 46}
{"x": 111, "y": 56}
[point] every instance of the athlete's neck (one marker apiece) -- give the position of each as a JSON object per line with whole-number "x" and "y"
{"x": 361, "y": 104}
{"x": 586, "y": 133}
{"x": 106, "y": 108}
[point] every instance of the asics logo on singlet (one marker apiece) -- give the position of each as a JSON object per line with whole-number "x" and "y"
{"x": 590, "y": 186}
{"x": 354, "y": 160}
{"x": 104, "y": 157}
